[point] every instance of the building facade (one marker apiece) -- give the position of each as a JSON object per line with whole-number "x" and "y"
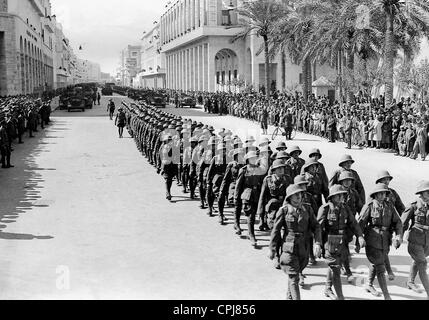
{"x": 62, "y": 59}
{"x": 130, "y": 64}
{"x": 152, "y": 74}
{"x": 26, "y": 46}
{"x": 196, "y": 40}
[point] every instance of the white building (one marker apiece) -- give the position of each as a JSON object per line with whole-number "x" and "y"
{"x": 196, "y": 39}
{"x": 62, "y": 59}
{"x": 152, "y": 74}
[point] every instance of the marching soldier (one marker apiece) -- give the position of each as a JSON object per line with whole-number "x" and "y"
{"x": 247, "y": 192}
{"x": 215, "y": 177}
{"x": 321, "y": 175}
{"x": 394, "y": 198}
{"x": 416, "y": 219}
{"x": 315, "y": 182}
{"x": 295, "y": 162}
{"x": 308, "y": 199}
{"x": 272, "y": 195}
{"x": 378, "y": 220}
{"x": 335, "y": 220}
{"x": 281, "y": 146}
{"x": 345, "y": 164}
{"x": 298, "y": 221}
{"x": 355, "y": 205}
{"x": 227, "y": 189}
{"x": 202, "y": 171}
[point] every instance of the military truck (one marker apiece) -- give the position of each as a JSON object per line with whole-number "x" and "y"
{"x": 76, "y": 100}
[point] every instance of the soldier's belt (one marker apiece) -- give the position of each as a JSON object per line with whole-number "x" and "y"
{"x": 295, "y": 234}
{"x": 383, "y": 229}
{"x": 421, "y": 226}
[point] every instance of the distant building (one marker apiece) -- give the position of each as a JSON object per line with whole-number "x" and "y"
{"x": 130, "y": 64}
{"x": 152, "y": 74}
{"x": 62, "y": 59}
{"x": 88, "y": 71}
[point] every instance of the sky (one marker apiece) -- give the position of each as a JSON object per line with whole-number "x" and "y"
{"x": 105, "y": 27}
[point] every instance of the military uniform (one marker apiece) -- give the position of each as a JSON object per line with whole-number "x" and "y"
{"x": 336, "y": 221}
{"x": 378, "y": 220}
{"x": 297, "y": 223}
{"x": 215, "y": 175}
{"x": 416, "y": 219}
{"x": 295, "y": 163}
{"x": 247, "y": 193}
{"x": 357, "y": 184}
{"x": 273, "y": 193}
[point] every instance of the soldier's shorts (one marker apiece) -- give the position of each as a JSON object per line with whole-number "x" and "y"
{"x": 292, "y": 263}
{"x": 418, "y": 253}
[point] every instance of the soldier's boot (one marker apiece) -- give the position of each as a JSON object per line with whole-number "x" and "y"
{"x": 302, "y": 280}
{"x": 288, "y": 294}
{"x": 424, "y": 276}
{"x": 370, "y": 285}
{"x": 411, "y": 283}
{"x": 294, "y": 287}
{"x": 381, "y": 277}
{"x": 237, "y": 227}
{"x": 221, "y": 206}
{"x": 348, "y": 272}
{"x": 202, "y": 197}
{"x": 312, "y": 259}
{"x": 328, "y": 289}
{"x": 389, "y": 270}
{"x": 168, "y": 184}
{"x": 251, "y": 227}
{"x": 336, "y": 280}
{"x": 262, "y": 223}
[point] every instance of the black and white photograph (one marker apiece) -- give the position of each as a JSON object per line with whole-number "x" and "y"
{"x": 214, "y": 150}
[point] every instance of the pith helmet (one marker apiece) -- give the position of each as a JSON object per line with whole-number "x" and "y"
{"x": 278, "y": 164}
{"x": 264, "y": 142}
{"x": 336, "y": 190}
{"x": 315, "y": 152}
{"x": 300, "y": 180}
{"x": 293, "y": 189}
{"x": 422, "y": 187}
{"x": 379, "y": 187}
{"x": 295, "y": 149}
{"x": 383, "y": 174}
{"x": 251, "y": 155}
{"x": 346, "y": 158}
{"x": 281, "y": 145}
{"x": 282, "y": 155}
{"x": 346, "y": 175}
{"x": 310, "y": 163}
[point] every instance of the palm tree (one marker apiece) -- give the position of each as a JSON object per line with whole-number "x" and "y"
{"x": 406, "y": 19}
{"x": 260, "y": 17}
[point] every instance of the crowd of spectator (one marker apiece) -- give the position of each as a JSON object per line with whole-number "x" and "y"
{"x": 401, "y": 127}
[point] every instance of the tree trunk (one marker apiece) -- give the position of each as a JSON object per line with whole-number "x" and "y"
{"x": 267, "y": 68}
{"x": 351, "y": 77}
{"x": 283, "y": 70}
{"x": 306, "y": 78}
{"x": 340, "y": 78}
{"x": 389, "y": 59}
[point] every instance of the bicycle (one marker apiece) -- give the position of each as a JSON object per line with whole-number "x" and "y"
{"x": 281, "y": 131}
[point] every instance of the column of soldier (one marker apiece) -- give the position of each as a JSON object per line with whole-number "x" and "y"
{"x": 308, "y": 215}
{"x": 19, "y": 114}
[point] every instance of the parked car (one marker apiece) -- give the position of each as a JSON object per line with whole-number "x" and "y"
{"x": 186, "y": 100}
{"x": 157, "y": 100}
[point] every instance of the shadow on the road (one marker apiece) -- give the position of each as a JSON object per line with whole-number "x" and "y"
{"x": 21, "y": 186}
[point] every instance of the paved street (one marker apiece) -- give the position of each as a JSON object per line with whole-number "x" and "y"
{"x": 84, "y": 206}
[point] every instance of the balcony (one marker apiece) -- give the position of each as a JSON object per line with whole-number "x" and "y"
{"x": 49, "y": 25}
{"x": 38, "y": 6}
